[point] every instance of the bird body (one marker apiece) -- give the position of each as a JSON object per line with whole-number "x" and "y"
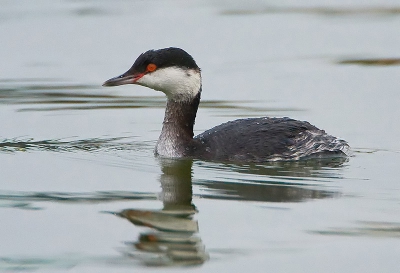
{"x": 174, "y": 72}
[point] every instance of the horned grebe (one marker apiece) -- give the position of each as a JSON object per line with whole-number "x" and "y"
{"x": 174, "y": 72}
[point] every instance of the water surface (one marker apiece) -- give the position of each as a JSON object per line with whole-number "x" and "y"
{"x": 81, "y": 191}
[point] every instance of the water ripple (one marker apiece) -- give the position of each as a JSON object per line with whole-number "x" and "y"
{"x": 325, "y": 11}
{"x": 366, "y": 228}
{"x": 44, "y": 95}
{"x": 60, "y": 145}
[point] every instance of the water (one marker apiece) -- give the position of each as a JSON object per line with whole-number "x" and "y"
{"x": 81, "y": 191}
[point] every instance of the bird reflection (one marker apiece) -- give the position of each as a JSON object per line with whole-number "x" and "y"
{"x": 174, "y": 238}
{"x": 294, "y": 181}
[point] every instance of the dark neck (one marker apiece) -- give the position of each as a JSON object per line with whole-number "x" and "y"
{"x": 180, "y": 116}
{"x": 177, "y": 130}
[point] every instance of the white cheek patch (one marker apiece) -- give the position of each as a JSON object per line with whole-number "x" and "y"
{"x": 176, "y": 83}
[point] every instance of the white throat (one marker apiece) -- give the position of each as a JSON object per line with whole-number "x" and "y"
{"x": 177, "y": 83}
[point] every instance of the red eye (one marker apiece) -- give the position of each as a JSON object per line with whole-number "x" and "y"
{"x": 151, "y": 67}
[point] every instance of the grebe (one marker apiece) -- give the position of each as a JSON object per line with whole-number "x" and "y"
{"x": 174, "y": 72}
